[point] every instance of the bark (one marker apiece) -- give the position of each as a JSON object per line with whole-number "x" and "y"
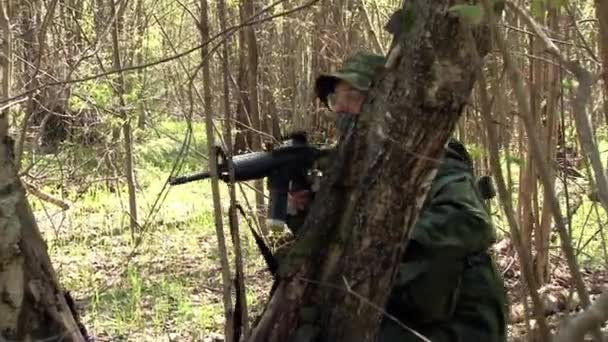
{"x": 319, "y": 61}
{"x": 534, "y": 83}
{"x": 100, "y": 18}
{"x": 42, "y": 106}
{"x": 527, "y": 180}
{"x": 33, "y": 305}
{"x": 340, "y": 34}
{"x": 268, "y": 80}
{"x": 357, "y": 229}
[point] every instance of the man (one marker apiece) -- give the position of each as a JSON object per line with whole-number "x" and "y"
{"x": 447, "y": 288}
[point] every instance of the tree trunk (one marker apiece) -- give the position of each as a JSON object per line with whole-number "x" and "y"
{"x": 343, "y": 265}
{"x": 601, "y": 12}
{"x": 243, "y": 118}
{"x": 319, "y": 62}
{"x": 551, "y": 125}
{"x": 240, "y": 317}
{"x": 219, "y": 224}
{"x": 42, "y": 107}
{"x": 126, "y": 122}
{"x": 138, "y": 58}
{"x": 33, "y": 306}
{"x": 254, "y": 109}
{"x": 269, "y": 107}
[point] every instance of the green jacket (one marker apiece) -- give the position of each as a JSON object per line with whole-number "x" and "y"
{"x": 447, "y": 287}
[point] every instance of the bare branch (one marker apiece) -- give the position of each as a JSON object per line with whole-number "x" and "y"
{"x": 583, "y": 127}
{"x": 41, "y": 41}
{"x": 226, "y": 33}
{"x": 350, "y": 290}
{"x": 32, "y": 189}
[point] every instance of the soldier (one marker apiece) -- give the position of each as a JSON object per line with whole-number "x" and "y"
{"x": 447, "y": 287}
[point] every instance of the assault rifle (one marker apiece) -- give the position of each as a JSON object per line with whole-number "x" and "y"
{"x": 287, "y": 168}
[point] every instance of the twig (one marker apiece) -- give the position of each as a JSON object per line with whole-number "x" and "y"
{"x": 393, "y": 318}
{"x": 9, "y": 105}
{"x": 229, "y": 318}
{"x": 508, "y": 267}
{"x": 521, "y": 30}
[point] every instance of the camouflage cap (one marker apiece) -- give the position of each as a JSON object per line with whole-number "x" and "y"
{"x": 358, "y": 71}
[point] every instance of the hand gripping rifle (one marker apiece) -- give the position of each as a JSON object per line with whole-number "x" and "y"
{"x": 287, "y": 168}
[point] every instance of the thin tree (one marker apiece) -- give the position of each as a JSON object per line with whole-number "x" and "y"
{"x": 126, "y": 120}
{"x": 210, "y": 131}
{"x": 601, "y": 12}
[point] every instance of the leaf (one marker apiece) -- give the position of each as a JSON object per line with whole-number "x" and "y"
{"x": 472, "y": 13}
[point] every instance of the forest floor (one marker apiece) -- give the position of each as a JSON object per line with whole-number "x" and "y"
{"x": 559, "y": 295}
{"x": 168, "y": 286}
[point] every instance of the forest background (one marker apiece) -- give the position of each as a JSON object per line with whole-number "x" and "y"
{"x": 107, "y": 100}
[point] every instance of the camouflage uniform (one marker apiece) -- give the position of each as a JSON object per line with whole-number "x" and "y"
{"x": 447, "y": 287}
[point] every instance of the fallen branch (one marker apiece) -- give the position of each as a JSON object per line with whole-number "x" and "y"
{"x": 32, "y": 189}
{"x": 587, "y": 320}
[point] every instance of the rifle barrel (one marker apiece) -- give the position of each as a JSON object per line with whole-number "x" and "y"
{"x": 191, "y": 178}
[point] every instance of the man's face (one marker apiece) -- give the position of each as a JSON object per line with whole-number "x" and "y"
{"x": 345, "y": 99}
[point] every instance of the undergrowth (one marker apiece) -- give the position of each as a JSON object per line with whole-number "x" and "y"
{"x": 163, "y": 281}
{"x": 167, "y": 286}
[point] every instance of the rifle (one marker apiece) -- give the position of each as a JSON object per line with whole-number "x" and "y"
{"x": 287, "y": 168}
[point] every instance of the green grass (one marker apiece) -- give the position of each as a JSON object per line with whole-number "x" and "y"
{"x": 168, "y": 286}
